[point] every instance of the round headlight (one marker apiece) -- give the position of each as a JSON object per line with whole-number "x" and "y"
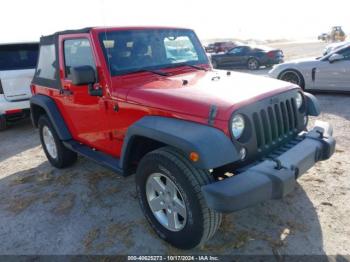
{"x": 237, "y": 126}
{"x": 299, "y": 100}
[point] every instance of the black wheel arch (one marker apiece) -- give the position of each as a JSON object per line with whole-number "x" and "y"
{"x": 213, "y": 146}
{"x": 296, "y": 71}
{"x": 41, "y": 104}
{"x": 255, "y": 58}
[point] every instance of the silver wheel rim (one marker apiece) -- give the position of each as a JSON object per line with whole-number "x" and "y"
{"x": 253, "y": 64}
{"x": 166, "y": 202}
{"x": 49, "y": 142}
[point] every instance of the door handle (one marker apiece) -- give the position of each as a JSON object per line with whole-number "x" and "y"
{"x": 66, "y": 92}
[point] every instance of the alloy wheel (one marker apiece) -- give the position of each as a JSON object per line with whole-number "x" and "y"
{"x": 49, "y": 142}
{"x": 166, "y": 202}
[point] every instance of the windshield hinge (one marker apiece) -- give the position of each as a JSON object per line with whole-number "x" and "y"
{"x": 212, "y": 114}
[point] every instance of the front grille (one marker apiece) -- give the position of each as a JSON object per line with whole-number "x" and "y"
{"x": 271, "y": 123}
{"x": 275, "y": 123}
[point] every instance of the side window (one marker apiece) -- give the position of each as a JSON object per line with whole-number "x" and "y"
{"x": 46, "y": 68}
{"x": 77, "y": 52}
{"x": 346, "y": 53}
{"x": 237, "y": 50}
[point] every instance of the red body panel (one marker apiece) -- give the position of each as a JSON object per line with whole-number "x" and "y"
{"x": 102, "y": 122}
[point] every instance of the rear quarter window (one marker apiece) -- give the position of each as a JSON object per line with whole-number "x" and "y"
{"x": 46, "y": 67}
{"x": 18, "y": 56}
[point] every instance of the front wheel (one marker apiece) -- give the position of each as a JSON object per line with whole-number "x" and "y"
{"x": 169, "y": 191}
{"x": 58, "y": 155}
{"x": 293, "y": 77}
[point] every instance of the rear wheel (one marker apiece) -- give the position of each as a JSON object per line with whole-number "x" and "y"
{"x": 293, "y": 77}
{"x": 58, "y": 155}
{"x": 253, "y": 64}
{"x": 169, "y": 191}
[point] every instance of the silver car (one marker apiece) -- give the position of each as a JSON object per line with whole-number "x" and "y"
{"x": 328, "y": 73}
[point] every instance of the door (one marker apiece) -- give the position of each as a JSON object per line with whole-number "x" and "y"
{"x": 235, "y": 57}
{"x": 86, "y": 114}
{"x": 334, "y": 76}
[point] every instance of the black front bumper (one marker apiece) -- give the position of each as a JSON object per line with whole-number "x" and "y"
{"x": 271, "y": 179}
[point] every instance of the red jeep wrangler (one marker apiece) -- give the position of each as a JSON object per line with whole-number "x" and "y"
{"x": 201, "y": 142}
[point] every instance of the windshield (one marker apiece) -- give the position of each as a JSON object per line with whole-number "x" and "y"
{"x": 336, "y": 50}
{"x": 135, "y": 50}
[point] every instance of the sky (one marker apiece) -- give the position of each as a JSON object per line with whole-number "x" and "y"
{"x": 22, "y": 20}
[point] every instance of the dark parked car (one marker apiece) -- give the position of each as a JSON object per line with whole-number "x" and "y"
{"x": 324, "y": 37}
{"x": 209, "y": 48}
{"x": 251, "y": 57}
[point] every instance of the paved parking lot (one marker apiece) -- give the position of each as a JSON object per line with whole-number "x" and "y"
{"x": 87, "y": 209}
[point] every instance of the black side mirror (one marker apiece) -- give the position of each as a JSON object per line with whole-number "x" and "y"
{"x": 85, "y": 75}
{"x": 82, "y": 75}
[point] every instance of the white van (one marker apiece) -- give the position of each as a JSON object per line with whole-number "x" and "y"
{"x": 17, "y": 66}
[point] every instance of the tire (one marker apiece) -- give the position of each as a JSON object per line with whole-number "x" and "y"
{"x": 58, "y": 155}
{"x": 253, "y": 64}
{"x": 292, "y": 76}
{"x": 214, "y": 64}
{"x": 3, "y": 123}
{"x": 173, "y": 170}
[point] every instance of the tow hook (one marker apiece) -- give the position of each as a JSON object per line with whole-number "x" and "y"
{"x": 278, "y": 163}
{"x": 320, "y": 133}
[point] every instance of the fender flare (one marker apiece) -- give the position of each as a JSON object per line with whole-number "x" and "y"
{"x": 215, "y": 149}
{"x": 52, "y": 111}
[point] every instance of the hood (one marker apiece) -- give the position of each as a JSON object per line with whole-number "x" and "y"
{"x": 301, "y": 60}
{"x": 195, "y": 93}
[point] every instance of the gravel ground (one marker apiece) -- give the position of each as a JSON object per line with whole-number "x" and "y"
{"x": 86, "y": 209}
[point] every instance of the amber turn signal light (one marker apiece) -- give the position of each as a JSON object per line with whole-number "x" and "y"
{"x": 194, "y": 156}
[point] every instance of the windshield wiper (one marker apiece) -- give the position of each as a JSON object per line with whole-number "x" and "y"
{"x": 189, "y": 65}
{"x": 149, "y": 71}
{"x": 197, "y": 67}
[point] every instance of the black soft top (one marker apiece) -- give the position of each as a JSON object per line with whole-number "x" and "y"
{"x": 51, "y": 39}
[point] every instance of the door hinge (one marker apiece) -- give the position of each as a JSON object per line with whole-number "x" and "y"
{"x": 116, "y": 135}
{"x": 212, "y": 114}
